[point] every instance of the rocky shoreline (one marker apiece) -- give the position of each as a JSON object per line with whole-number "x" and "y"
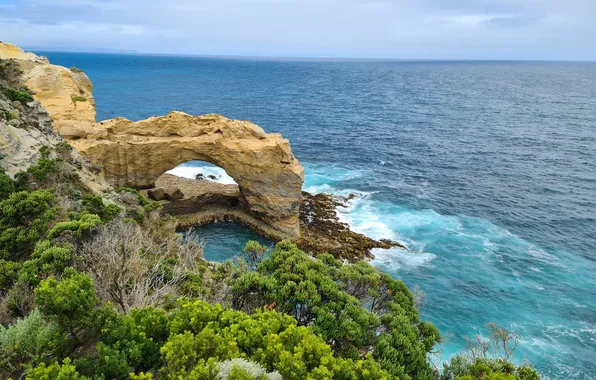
{"x": 321, "y": 231}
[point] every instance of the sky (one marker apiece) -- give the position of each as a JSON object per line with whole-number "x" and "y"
{"x": 402, "y": 29}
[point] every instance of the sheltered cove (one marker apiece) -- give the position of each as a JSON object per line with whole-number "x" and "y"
{"x": 268, "y": 196}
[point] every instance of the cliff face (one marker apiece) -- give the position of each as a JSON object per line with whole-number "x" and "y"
{"x": 25, "y": 126}
{"x": 135, "y": 154}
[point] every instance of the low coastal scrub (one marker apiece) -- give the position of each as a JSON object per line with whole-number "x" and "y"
{"x": 16, "y": 95}
{"x": 87, "y": 293}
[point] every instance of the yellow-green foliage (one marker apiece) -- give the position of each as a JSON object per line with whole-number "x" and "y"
{"x": 79, "y": 224}
{"x": 47, "y": 259}
{"x": 65, "y": 371}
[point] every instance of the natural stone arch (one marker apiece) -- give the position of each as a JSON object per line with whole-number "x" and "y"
{"x": 135, "y": 154}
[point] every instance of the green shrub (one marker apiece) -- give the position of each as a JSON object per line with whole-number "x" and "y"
{"x": 65, "y": 371}
{"x": 254, "y": 253}
{"x": 28, "y": 341}
{"x": 7, "y": 186}
{"x": 355, "y": 308}
{"x": 47, "y": 260}
{"x": 24, "y": 219}
{"x": 16, "y": 95}
{"x": 95, "y": 204}
{"x": 79, "y": 224}
{"x": 201, "y": 333}
{"x": 8, "y": 274}
{"x": 75, "y": 70}
{"x": 70, "y": 302}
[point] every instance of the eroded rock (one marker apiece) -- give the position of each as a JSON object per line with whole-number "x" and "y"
{"x": 174, "y": 194}
{"x": 156, "y": 194}
{"x": 323, "y": 232}
{"x": 135, "y": 154}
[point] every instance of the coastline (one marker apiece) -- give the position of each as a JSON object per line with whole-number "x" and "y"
{"x": 321, "y": 230}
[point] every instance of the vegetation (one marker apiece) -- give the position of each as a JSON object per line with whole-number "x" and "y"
{"x": 16, "y": 95}
{"x": 10, "y": 82}
{"x": 78, "y": 98}
{"x": 86, "y": 293}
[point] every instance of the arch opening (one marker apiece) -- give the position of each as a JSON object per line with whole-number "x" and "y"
{"x": 200, "y": 187}
{"x": 201, "y": 170}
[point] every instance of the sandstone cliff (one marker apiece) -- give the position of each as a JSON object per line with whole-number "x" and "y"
{"x": 135, "y": 154}
{"x": 25, "y": 126}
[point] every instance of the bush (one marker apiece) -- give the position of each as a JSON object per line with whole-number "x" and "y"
{"x": 16, "y": 95}
{"x": 355, "y": 308}
{"x": 47, "y": 260}
{"x": 201, "y": 333}
{"x": 69, "y": 302}
{"x": 24, "y": 219}
{"x": 78, "y": 98}
{"x": 65, "y": 371}
{"x": 30, "y": 340}
{"x": 6, "y": 185}
{"x": 79, "y": 224}
{"x": 95, "y": 204}
{"x": 8, "y": 274}
{"x": 254, "y": 253}
{"x": 229, "y": 368}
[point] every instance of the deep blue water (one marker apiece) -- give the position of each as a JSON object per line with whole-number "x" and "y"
{"x": 487, "y": 170}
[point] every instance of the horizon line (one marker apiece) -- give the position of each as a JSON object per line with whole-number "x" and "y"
{"x": 299, "y": 58}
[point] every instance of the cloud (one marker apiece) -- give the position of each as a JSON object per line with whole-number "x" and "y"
{"x": 508, "y": 29}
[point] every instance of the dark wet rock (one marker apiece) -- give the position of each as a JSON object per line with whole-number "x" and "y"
{"x": 212, "y": 177}
{"x": 200, "y": 176}
{"x": 156, "y": 194}
{"x": 323, "y": 232}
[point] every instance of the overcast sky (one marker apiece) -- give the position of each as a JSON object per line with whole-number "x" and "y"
{"x": 447, "y": 29}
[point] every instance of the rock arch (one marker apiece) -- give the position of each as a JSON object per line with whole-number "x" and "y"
{"x": 135, "y": 154}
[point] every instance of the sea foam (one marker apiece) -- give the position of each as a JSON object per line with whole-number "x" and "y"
{"x": 191, "y": 169}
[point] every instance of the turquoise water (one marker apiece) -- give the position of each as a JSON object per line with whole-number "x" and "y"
{"x": 486, "y": 170}
{"x": 223, "y": 241}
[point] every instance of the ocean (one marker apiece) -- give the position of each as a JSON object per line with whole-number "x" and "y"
{"x": 486, "y": 170}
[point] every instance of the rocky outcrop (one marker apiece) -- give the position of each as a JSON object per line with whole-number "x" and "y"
{"x": 135, "y": 154}
{"x": 66, "y": 94}
{"x": 10, "y": 51}
{"x": 26, "y": 127}
{"x": 323, "y": 232}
